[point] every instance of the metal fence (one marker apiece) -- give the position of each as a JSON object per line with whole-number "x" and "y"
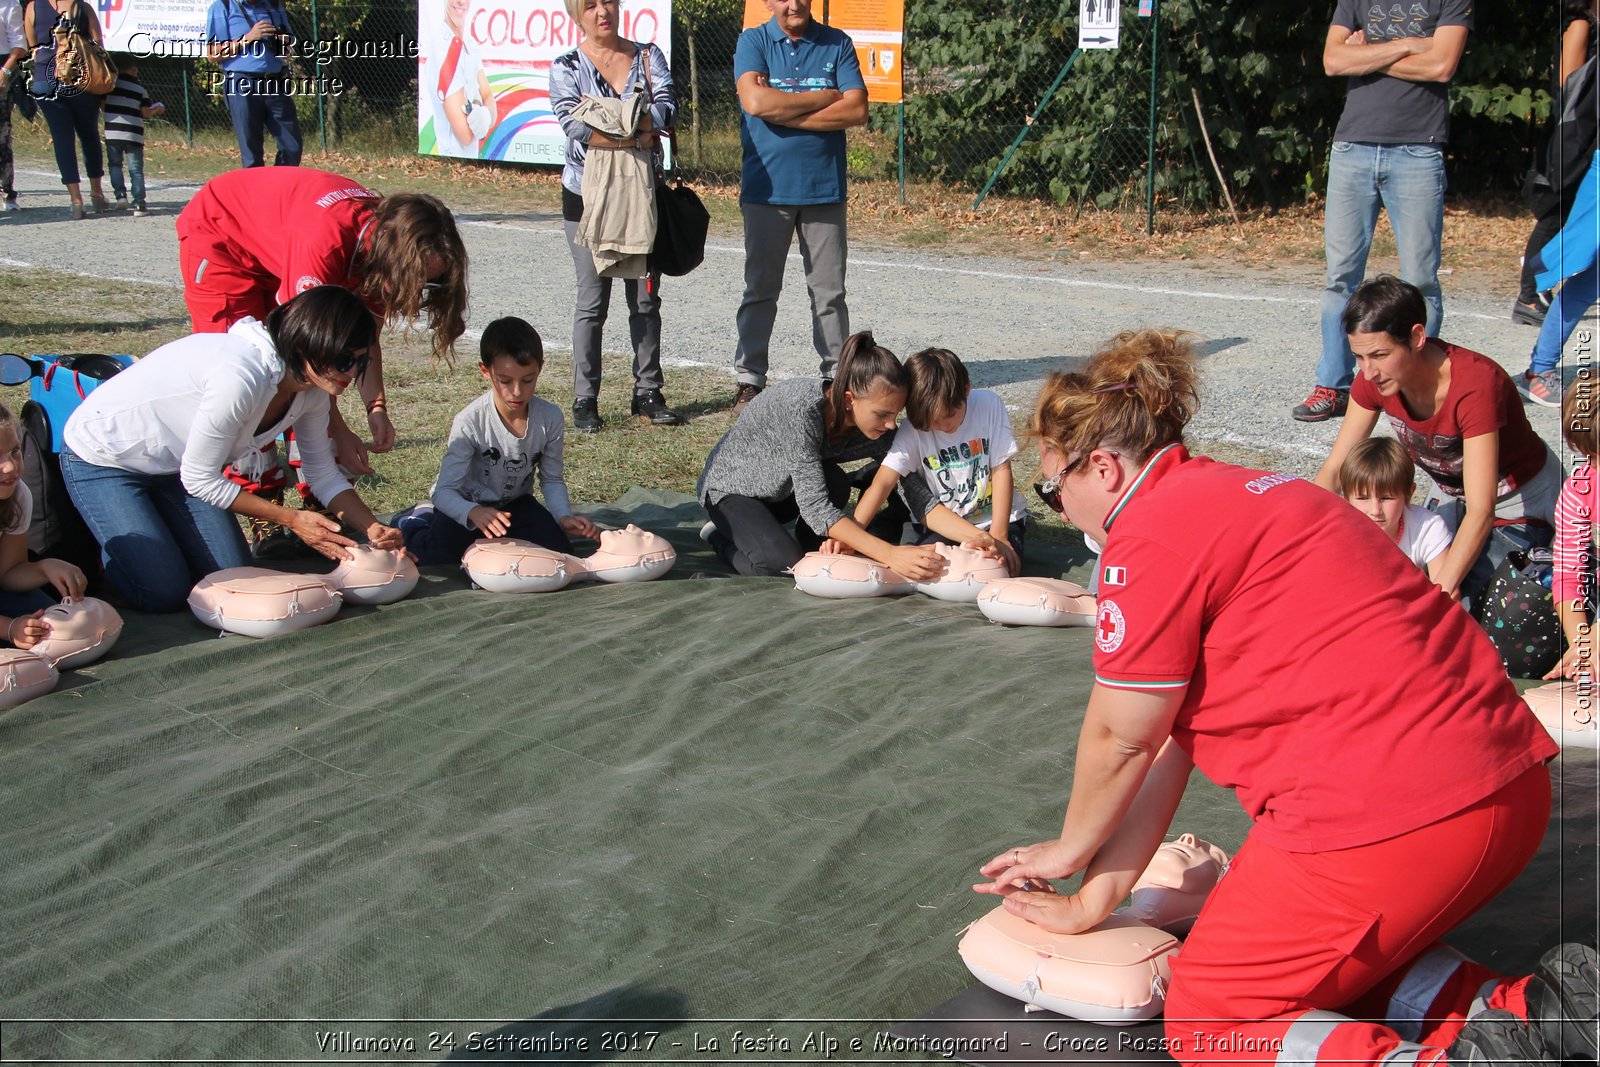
{"x": 1154, "y": 121}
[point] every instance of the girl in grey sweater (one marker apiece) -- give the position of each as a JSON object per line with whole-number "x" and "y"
{"x": 780, "y": 462}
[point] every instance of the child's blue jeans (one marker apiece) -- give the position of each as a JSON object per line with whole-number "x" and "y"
{"x": 434, "y": 537}
{"x": 116, "y": 152}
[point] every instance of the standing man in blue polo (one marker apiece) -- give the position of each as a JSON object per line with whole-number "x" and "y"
{"x": 1388, "y": 151}
{"x": 249, "y": 39}
{"x": 800, "y": 88}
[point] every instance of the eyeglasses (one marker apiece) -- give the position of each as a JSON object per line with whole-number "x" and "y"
{"x": 345, "y": 362}
{"x": 1049, "y": 490}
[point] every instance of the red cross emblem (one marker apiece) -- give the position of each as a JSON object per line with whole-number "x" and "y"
{"x": 1110, "y": 627}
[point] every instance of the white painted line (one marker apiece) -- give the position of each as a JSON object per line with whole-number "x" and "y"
{"x": 1003, "y": 276}
{"x": 5, "y": 262}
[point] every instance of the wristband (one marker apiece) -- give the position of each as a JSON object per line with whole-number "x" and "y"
{"x": 377, "y": 405}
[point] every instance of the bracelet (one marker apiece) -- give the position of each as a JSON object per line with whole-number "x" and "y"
{"x": 9, "y": 626}
{"x": 377, "y": 405}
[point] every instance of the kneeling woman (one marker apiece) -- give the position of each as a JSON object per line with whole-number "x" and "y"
{"x": 1385, "y": 811}
{"x": 780, "y": 462}
{"x": 1459, "y": 417}
{"x": 145, "y": 453}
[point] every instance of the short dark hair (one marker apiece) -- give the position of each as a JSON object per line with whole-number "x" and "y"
{"x": 319, "y": 326}
{"x": 514, "y": 337}
{"x": 1385, "y": 304}
{"x": 939, "y": 383}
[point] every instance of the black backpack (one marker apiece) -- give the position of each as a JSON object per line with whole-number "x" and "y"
{"x": 1574, "y": 122}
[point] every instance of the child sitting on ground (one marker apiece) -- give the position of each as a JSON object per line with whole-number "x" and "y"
{"x": 23, "y": 583}
{"x": 485, "y": 483}
{"x": 126, "y": 107}
{"x": 1572, "y": 584}
{"x": 1378, "y": 478}
{"x": 960, "y": 440}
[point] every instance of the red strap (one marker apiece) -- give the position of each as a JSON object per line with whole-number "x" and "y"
{"x": 49, "y": 372}
{"x": 447, "y": 69}
{"x": 78, "y": 385}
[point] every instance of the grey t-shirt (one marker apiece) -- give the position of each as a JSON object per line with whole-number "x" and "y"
{"x": 776, "y": 449}
{"x": 485, "y": 463}
{"x": 1383, "y": 109}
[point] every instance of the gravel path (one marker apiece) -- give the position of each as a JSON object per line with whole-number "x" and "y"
{"x": 1010, "y": 320}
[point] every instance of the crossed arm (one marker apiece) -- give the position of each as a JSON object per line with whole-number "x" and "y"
{"x": 818, "y": 110}
{"x": 1417, "y": 59}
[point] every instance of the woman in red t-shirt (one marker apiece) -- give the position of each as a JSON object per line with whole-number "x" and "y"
{"x": 253, "y": 239}
{"x": 1275, "y": 646}
{"x": 1459, "y": 417}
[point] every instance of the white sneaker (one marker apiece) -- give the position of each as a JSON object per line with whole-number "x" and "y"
{"x": 706, "y": 531}
{"x": 10, "y": 207}
{"x": 122, "y": 203}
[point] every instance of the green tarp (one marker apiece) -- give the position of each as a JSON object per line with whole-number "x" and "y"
{"x": 712, "y": 801}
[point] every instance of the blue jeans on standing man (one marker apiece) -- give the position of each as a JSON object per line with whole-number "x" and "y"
{"x": 257, "y": 101}
{"x": 116, "y": 153}
{"x": 1407, "y": 181}
{"x": 157, "y": 540}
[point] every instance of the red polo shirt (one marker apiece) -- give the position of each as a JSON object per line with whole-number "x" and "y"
{"x": 282, "y": 229}
{"x": 1342, "y": 697}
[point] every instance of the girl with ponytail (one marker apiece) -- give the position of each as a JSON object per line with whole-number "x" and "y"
{"x": 780, "y": 462}
{"x": 1261, "y": 629}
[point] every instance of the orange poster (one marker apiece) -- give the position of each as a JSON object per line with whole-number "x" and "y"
{"x": 877, "y": 27}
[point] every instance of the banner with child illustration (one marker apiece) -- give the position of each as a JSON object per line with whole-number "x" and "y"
{"x": 483, "y": 73}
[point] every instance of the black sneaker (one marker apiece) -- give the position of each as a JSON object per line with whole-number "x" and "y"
{"x": 1532, "y": 312}
{"x": 741, "y": 399}
{"x": 1564, "y": 997}
{"x": 1496, "y": 1038}
{"x": 1323, "y": 404}
{"x": 586, "y": 415}
{"x": 653, "y": 406}
{"x": 271, "y": 541}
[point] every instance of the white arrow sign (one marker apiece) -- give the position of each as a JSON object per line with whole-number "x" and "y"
{"x": 1099, "y": 23}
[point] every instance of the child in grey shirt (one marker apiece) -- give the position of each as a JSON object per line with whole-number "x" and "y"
{"x": 485, "y": 483}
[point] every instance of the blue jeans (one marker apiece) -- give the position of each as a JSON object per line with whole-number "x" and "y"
{"x": 1407, "y": 181}
{"x": 157, "y": 541}
{"x": 116, "y": 152}
{"x": 1572, "y": 301}
{"x": 434, "y": 537}
{"x": 257, "y": 102}
{"x": 74, "y": 117}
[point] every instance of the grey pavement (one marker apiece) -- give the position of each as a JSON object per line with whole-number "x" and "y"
{"x": 1011, "y": 320}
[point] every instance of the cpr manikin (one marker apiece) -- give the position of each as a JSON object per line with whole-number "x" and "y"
{"x": 510, "y": 565}
{"x": 845, "y": 577}
{"x": 966, "y": 572}
{"x": 374, "y": 576}
{"x": 24, "y": 676}
{"x": 1037, "y": 602}
{"x": 256, "y": 602}
{"x": 1116, "y": 973}
{"x": 81, "y": 631}
{"x": 1567, "y": 712}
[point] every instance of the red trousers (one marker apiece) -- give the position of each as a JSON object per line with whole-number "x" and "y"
{"x": 219, "y": 293}
{"x": 1295, "y": 949}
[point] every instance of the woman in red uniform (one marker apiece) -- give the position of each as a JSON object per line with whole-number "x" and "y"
{"x": 251, "y": 239}
{"x": 1277, "y": 646}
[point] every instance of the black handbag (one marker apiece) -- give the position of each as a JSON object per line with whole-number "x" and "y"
{"x": 681, "y": 225}
{"x": 21, "y": 99}
{"x": 1518, "y": 614}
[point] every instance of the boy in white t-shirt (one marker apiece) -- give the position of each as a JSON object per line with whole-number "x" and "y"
{"x": 959, "y": 440}
{"x": 1378, "y": 478}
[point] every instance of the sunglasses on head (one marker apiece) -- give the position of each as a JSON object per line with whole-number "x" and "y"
{"x": 430, "y": 287}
